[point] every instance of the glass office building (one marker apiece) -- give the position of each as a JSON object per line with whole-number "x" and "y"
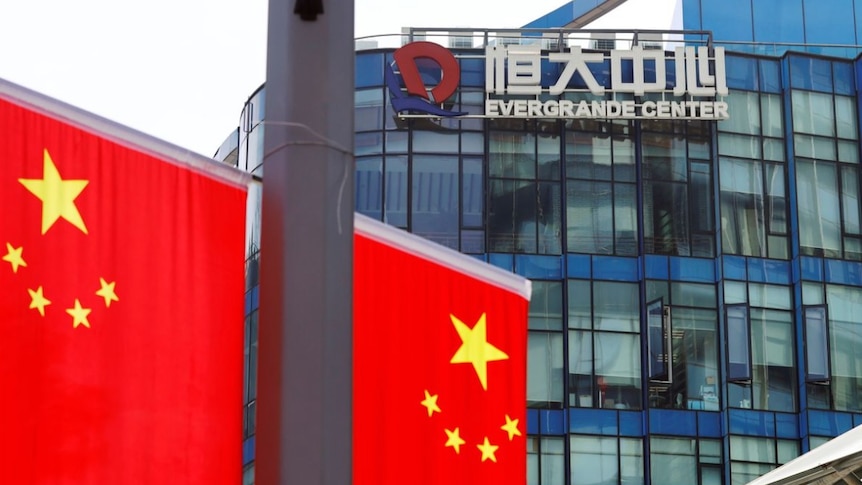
{"x": 697, "y": 285}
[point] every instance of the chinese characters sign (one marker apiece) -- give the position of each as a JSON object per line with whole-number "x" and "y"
{"x": 516, "y": 70}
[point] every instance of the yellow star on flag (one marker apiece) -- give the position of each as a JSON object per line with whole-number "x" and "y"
{"x": 488, "y": 450}
{"x": 475, "y": 348}
{"x": 13, "y": 256}
{"x": 107, "y": 291}
{"x": 38, "y": 300}
{"x": 79, "y": 315}
{"x": 454, "y": 440}
{"x": 511, "y": 427}
{"x": 430, "y": 402}
{"x": 57, "y": 195}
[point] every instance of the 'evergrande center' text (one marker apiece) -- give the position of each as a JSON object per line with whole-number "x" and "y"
{"x": 531, "y": 108}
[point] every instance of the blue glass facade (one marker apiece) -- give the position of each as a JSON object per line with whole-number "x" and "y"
{"x": 736, "y": 244}
{"x": 830, "y": 27}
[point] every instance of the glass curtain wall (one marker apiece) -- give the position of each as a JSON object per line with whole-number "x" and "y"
{"x": 752, "y": 177}
{"x": 825, "y": 142}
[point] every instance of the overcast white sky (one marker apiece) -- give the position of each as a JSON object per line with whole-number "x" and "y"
{"x": 181, "y": 69}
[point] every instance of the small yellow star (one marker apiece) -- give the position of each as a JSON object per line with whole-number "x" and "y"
{"x": 475, "y": 348}
{"x": 57, "y": 195}
{"x": 79, "y": 315}
{"x": 488, "y": 450}
{"x": 430, "y": 402}
{"x": 107, "y": 291}
{"x": 511, "y": 427}
{"x": 454, "y": 440}
{"x": 13, "y": 256}
{"x": 38, "y": 300}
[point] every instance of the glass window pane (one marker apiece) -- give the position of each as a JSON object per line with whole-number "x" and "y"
{"x": 594, "y": 461}
{"x": 624, "y": 159}
{"x": 845, "y": 117}
{"x": 816, "y": 345}
{"x": 743, "y": 215}
{"x": 761, "y": 450}
{"x": 672, "y": 460}
{"x": 773, "y": 149}
{"x": 395, "y": 191}
{"x": 512, "y": 154}
{"x": 625, "y": 220}
{"x": 617, "y": 366}
{"x": 770, "y": 296}
{"x": 369, "y": 187}
{"x": 512, "y": 216}
{"x": 545, "y": 369}
{"x": 817, "y": 192}
{"x": 738, "y": 346}
{"x": 848, "y": 152}
{"x": 850, "y": 200}
{"x": 616, "y": 306}
{"x": 553, "y": 461}
{"x": 812, "y": 113}
{"x": 368, "y": 114}
{"x": 548, "y": 217}
{"x": 580, "y": 304}
{"x": 814, "y": 147}
{"x": 580, "y": 369}
{"x": 588, "y": 156}
{"x": 589, "y": 212}
{"x": 739, "y": 146}
{"x": 776, "y": 202}
{"x": 472, "y": 143}
{"x": 746, "y": 113}
{"x": 631, "y": 461}
{"x": 693, "y": 294}
{"x": 546, "y": 305}
{"x": 472, "y": 197}
{"x": 548, "y": 148}
{"x": 773, "y": 120}
{"x": 812, "y": 293}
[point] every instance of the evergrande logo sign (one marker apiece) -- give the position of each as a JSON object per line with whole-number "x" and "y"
{"x": 686, "y": 83}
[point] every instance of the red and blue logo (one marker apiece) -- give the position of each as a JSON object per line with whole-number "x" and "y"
{"x": 418, "y": 62}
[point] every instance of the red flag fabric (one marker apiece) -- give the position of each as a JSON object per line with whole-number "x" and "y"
{"x": 121, "y": 311}
{"x": 439, "y": 364}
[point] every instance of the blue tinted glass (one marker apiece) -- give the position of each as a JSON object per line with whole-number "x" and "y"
{"x": 828, "y": 22}
{"x": 845, "y": 82}
{"x": 369, "y": 70}
{"x": 691, "y": 15}
{"x": 738, "y": 346}
{"x": 816, "y": 345}
{"x": 728, "y": 19}
{"x": 770, "y": 76}
{"x": 369, "y": 178}
{"x": 472, "y": 72}
{"x": 778, "y": 21}
{"x": 550, "y": 72}
{"x": 741, "y": 72}
{"x": 810, "y": 73}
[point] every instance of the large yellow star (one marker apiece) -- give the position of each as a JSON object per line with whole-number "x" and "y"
{"x": 430, "y": 402}
{"x": 79, "y": 315}
{"x": 107, "y": 291}
{"x": 38, "y": 300}
{"x": 13, "y": 257}
{"x": 475, "y": 348}
{"x": 488, "y": 450}
{"x": 57, "y": 195}
{"x": 454, "y": 440}
{"x": 511, "y": 427}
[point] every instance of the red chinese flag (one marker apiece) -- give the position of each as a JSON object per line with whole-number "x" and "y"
{"x": 121, "y": 313}
{"x": 439, "y": 364}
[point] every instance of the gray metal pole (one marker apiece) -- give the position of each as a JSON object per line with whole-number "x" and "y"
{"x": 304, "y": 395}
